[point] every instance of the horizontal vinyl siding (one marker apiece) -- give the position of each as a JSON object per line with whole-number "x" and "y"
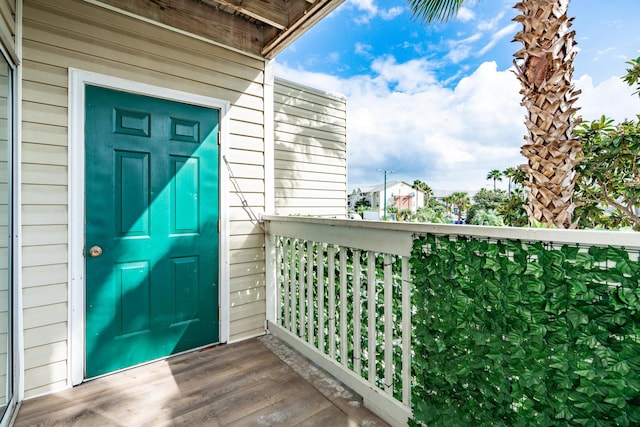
{"x": 310, "y": 154}
{"x": 8, "y": 23}
{"x": 73, "y": 33}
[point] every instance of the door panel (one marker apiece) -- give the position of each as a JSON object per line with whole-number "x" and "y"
{"x": 152, "y": 208}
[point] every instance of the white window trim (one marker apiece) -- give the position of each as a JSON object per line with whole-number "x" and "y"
{"x": 78, "y": 79}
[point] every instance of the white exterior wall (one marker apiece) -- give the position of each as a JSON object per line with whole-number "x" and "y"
{"x": 75, "y": 34}
{"x": 8, "y": 25}
{"x": 310, "y": 151}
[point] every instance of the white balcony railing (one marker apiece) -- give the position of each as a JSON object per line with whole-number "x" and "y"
{"x": 339, "y": 292}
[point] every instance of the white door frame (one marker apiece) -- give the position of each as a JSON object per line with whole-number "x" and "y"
{"x": 78, "y": 79}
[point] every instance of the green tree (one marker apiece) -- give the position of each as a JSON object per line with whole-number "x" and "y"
{"x": 544, "y": 67}
{"x": 512, "y": 209}
{"x": 485, "y": 200}
{"x": 495, "y": 175}
{"x": 362, "y": 205}
{"x": 392, "y": 210}
{"x": 515, "y": 175}
{"x": 632, "y": 78}
{"x": 448, "y": 203}
{"x": 486, "y": 217}
{"x": 608, "y": 188}
{"x": 433, "y": 214}
{"x": 462, "y": 202}
{"x": 419, "y": 185}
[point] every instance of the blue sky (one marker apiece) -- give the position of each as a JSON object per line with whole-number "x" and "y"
{"x": 438, "y": 102}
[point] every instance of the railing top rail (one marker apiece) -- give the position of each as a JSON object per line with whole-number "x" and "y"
{"x": 343, "y": 231}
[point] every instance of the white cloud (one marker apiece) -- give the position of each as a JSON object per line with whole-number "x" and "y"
{"x": 612, "y": 97}
{"x": 465, "y": 14}
{"x": 401, "y": 117}
{"x": 389, "y": 14}
{"x": 363, "y": 49}
{"x": 491, "y": 24}
{"x": 459, "y": 50}
{"x": 371, "y": 11}
{"x": 509, "y": 30}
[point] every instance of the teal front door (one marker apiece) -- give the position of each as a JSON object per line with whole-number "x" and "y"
{"x": 151, "y": 228}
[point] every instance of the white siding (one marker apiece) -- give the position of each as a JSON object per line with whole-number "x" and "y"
{"x": 73, "y": 33}
{"x": 310, "y": 151}
{"x": 8, "y": 24}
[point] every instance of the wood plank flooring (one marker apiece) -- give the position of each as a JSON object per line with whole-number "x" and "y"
{"x": 259, "y": 382}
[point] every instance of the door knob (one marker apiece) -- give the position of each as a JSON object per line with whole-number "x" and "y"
{"x": 95, "y": 251}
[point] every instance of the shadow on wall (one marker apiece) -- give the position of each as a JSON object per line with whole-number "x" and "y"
{"x": 310, "y": 151}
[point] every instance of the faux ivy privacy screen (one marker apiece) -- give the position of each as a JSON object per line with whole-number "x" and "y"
{"x": 519, "y": 334}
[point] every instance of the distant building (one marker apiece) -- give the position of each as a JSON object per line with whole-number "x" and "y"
{"x": 399, "y": 194}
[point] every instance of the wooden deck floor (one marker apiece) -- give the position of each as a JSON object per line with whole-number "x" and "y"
{"x": 260, "y": 382}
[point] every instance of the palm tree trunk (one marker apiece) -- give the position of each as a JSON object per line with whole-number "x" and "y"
{"x": 544, "y": 67}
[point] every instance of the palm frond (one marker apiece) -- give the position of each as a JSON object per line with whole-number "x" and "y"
{"x": 435, "y": 10}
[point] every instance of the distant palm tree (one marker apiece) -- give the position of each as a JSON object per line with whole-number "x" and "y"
{"x": 516, "y": 176}
{"x": 495, "y": 175}
{"x": 461, "y": 200}
{"x": 448, "y": 203}
{"x": 417, "y": 184}
{"x": 544, "y": 67}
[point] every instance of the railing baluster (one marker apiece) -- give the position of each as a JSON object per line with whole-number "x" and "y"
{"x": 279, "y": 264}
{"x": 294, "y": 276}
{"x": 371, "y": 316}
{"x": 301, "y": 288}
{"x": 321, "y": 316}
{"x": 357, "y": 312}
{"x": 310, "y": 319}
{"x": 388, "y": 326}
{"x": 287, "y": 284}
{"x": 332, "y": 300}
{"x": 406, "y": 332}
{"x": 344, "y": 341}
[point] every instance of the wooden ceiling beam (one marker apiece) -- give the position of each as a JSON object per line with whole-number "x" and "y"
{"x": 258, "y": 27}
{"x": 271, "y": 12}
{"x": 201, "y": 19}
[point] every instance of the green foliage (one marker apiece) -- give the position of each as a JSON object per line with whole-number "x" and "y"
{"x": 435, "y": 10}
{"x": 522, "y": 334}
{"x": 404, "y": 215}
{"x": 515, "y": 175}
{"x": 435, "y": 214}
{"x": 512, "y": 209}
{"x": 633, "y": 75}
{"x": 362, "y": 205}
{"x": 485, "y": 217}
{"x": 608, "y": 185}
{"x": 485, "y": 200}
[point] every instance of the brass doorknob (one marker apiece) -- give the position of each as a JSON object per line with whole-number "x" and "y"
{"x": 95, "y": 251}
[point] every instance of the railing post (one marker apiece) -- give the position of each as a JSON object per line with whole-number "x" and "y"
{"x": 271, "y": 278}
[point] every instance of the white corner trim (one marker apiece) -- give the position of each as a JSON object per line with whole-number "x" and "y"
{"x": 78, "y": 79}
{"x": 269, "y": 137}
